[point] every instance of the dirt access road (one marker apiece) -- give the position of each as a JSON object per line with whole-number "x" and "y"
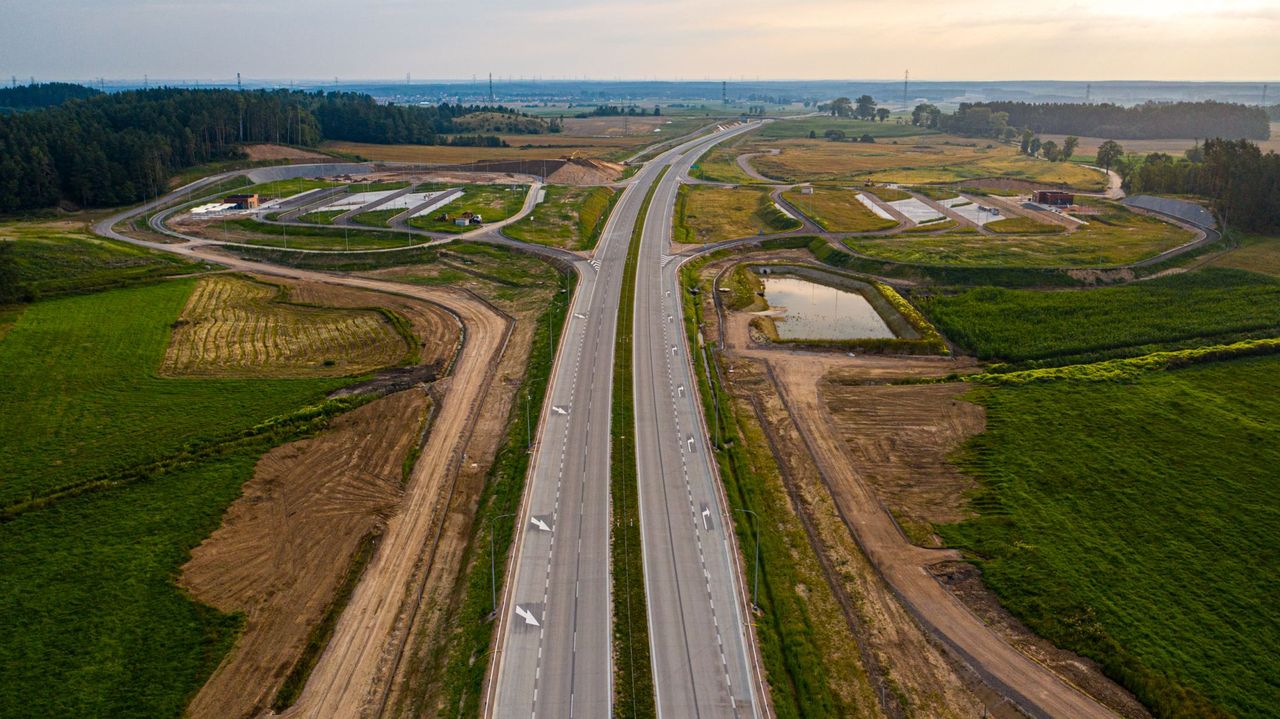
{"x": 799, "y": 376}
{"x": 351, "y": 675}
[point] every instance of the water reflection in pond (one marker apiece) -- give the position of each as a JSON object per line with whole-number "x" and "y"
{"x": 819, "y": 312}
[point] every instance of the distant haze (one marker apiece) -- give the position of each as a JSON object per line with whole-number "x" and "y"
{"x": 638, "y": 39}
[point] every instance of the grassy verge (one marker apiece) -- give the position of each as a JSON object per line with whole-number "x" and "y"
{"x": 795, "y": 658}
{"x": 1135, "y": 522}
{"x": 632, "y": 665}
{"x": 940, "y": 274}
{"x": 457, "y": 672}
{"x": 1023, "y": 225}
{"x": 492, "y": 202}
{"x": 314, "y": 238}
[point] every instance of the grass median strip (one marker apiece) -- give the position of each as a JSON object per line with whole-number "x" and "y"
{"x": 633, "y": 675}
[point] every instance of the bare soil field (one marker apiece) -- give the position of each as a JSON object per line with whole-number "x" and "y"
{"x": 900, "y": 437}
{"x": 236, "y": 327}
{"x": 285, "y": 545}
{"x": 859, "y": 451}
{"x": 281, "y": 152}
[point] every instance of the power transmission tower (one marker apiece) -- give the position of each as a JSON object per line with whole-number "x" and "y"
{"x": 239, "y": 86}
{"x": 146, "y": 82}
{"x": 906, "y": 80}
{"x": 1088, "y": 94}
{"x": 724, "y": 92}
{"x": 490, "y": 88}
{"x": 1264, "y": 95}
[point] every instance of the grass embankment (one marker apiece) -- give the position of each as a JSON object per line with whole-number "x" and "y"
{"x": 1116, "y": 236}
{"x": 251, "y": 232}
{"x": 720, "y": 163}
{"x": 113, "y": 476}
{"x": 955, "y": 275}
{"x": 492, "y": 202}
{"x": 888, "y": 194}
{"x": 1257, "y": 253}
{"x": 1184, "y": 310}
{"x": 710, "y": 214}
{"x": 569, "y": 217}
{"x": 1135, "y": 522}
{"x": 457, "y": 671}
{"x": 805, "y": 657}
{"x": 290, "y": 187}
{"x": 60, "y": 257}
{"x": 837, "y": 210}
{"x": 1023, "y": 225}
{"x": 632, "y": 665}
{"x": 935, "y": 193}
{"x": 321, "y": 217}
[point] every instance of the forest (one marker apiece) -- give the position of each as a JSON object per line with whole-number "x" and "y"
{"x": 119, "y": 148}
{"x": 1150, "y": 120}
{"x": 1243, "y": 183}
{"x": 44, "y": 94}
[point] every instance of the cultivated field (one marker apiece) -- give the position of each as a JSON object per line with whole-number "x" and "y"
{"x": 236, "y": 327}
{"x": 710, "y": 214}
{"x": 569, "y": 217}
{"x": 837, "y": 210}
{"x": 1210, "y": 306}
{"x": 1126, "y": 521}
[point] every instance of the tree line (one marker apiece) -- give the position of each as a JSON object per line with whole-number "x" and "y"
{"x": 1151, "y": 120}
{"x": 618, "y": 111}
{"x": 1242, "y": 182}
{"x": 863, "y": 108}
{"x": 123, "y": 147}
{"x": 43, "y": 94}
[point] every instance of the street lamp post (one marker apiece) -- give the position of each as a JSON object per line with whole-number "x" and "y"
{"x": 755, "y": 574}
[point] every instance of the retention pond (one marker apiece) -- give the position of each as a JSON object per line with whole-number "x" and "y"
{"x": 808, "y": 310}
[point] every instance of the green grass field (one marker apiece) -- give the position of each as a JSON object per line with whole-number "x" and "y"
{"x": 57, "y": 258}
{"x": 322, "y": 217}
{"x": 1257, "y": 253}
{"x": 569, "y": 217}
{"x": 82, "y": 399}
{"x": 492, "y": 202}
{"x": 801, "y": 127}
{"x": 710, "y": 214}
{"x": 1137, "y": 523}
{"x": 251, "y": 232}
{"x": 91, "y": 623}
{"x": 1023, "y": 226}
{"x": 837, "y": 210}
{"x": 1184, "y": 310}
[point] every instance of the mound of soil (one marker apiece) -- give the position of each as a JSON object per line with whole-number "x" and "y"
{"x": 576, "y": 171}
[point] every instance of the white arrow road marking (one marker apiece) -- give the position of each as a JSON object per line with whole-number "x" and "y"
{"x": 680, "y": 389}
{"x": 691, "y": 445}
{"x": 558, "y": 409}
{"x": 673, "y": 350}
{"x": 706, "y": 517}
{"x": 527, "y": 616}
{"x": 540, "y": 524}
{"x": 579, "y": 315}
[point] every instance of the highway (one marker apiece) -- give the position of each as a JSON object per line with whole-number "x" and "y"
{"x": 554, "y": 655}
{"x": 703, "y": 663}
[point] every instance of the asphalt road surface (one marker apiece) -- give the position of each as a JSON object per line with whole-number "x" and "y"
{"x": 703, "y": 664}
{"x": 554, "y": 657}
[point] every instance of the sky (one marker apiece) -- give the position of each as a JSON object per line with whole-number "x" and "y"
{"x": 1189, "y": 40}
